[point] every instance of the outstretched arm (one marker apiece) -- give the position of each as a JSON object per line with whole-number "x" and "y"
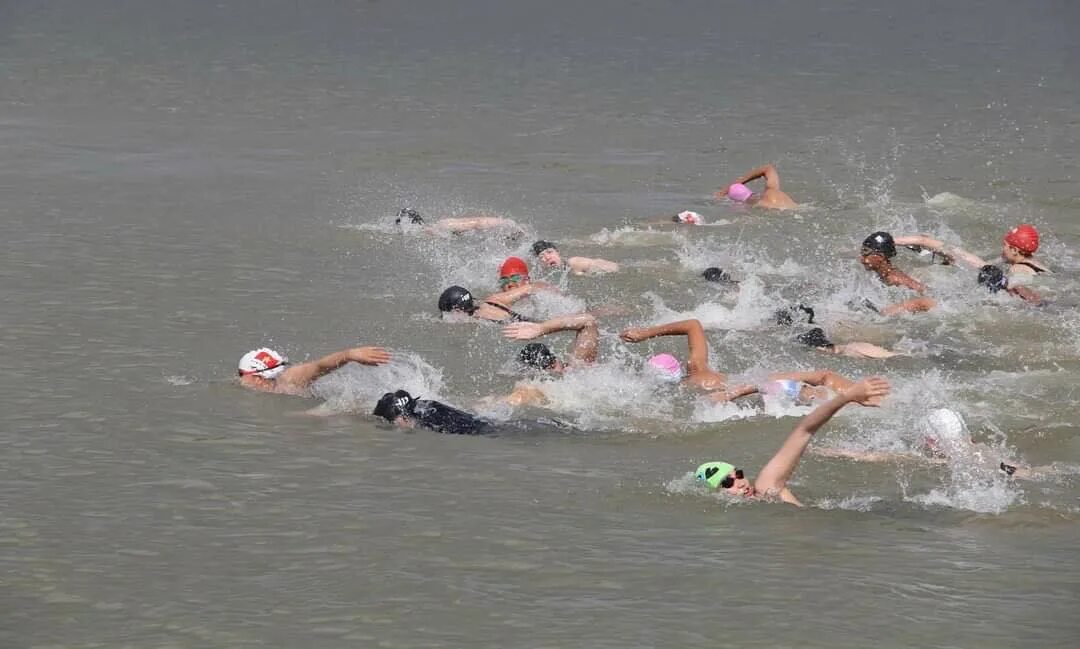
{"x": 1025, "y": 294}
{"x": 774, "y": 477}
{"x": 509, "y": 296}
{"x": 914, "y": 305}
{"x": 826, "y": 378}
{"x": 582, "y": 265}
{"x": 305, "y": 374}
{"x": 864, "y": 350}
{"x": 695, "y": 339}
{"x": 952, "y": 254}
{"x": 586, "y": 342}
{"x": 466, "y": 224}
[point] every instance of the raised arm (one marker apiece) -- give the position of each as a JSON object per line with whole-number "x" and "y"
{"x": 583, "y": 265}
{"x": 768, "y": 172}
{"x": 952, "y": 254}
{"x": 304, "y": 374}
{"x": 774, "y": 476}
{"x": 586, "y": 342}
{"x": 695, "y": 340}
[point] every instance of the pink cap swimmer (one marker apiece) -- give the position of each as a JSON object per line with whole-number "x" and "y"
{"x": 666, "y": 366}
{"x": 692, "y": 218}
{"x": 739, "y": 192}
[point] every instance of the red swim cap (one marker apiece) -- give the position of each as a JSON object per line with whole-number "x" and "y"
{"x": 1024, "y": 238}
{"x": 513, "y": 266}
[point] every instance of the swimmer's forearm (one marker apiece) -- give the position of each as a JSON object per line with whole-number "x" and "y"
{"x": 575, "y": 322}
{"x": 760, "y": 172}
{"x": 677, "y": 328}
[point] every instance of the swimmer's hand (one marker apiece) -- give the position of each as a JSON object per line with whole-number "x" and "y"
{"x": 870, "y": 391}
{"x": 369, "y": 355}
{"x": 634, "y": 334}
{"x": 720, "y": 194}
{"x": 523, "y": 330}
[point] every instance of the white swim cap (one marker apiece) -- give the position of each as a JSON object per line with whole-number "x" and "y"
{"x": 945, "y": 424}
{"x": 263, "y": 362}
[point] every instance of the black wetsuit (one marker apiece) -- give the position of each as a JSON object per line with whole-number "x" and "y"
{"x": 442, "y": 418}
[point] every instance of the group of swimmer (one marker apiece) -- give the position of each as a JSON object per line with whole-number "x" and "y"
{"x": 267, "y": 370}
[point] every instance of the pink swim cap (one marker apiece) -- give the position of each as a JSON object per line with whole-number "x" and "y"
{"x": 667, "y": 366}
{"x": 739, "y": 192}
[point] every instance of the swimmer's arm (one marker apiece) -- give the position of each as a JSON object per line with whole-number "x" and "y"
{"x": 768, "y": 172}
{"x": 723, "y": 396}
{"x": 895, "y": 277}
{"x": 586, "y": 342}
{"x": 305, "y": 374}
{"x": 526, "y": 395}
{"x": 774, "y": 477}
{"x": 914, "y": 305}
{"x": 508, "y": 297}
{"x": 872, "y": 456}
{"x": 459, "y": 225}
{"x": 827, "y": 378}
{"x": 1025, "y": 294}
{"x": 864, "y": 350}
{"x": 951, "y": 254}
{"x": 582, "y": 265}
{"x": 695, "y": 340}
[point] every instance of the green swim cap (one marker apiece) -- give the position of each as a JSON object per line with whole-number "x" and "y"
{"x": 712, "y": 473}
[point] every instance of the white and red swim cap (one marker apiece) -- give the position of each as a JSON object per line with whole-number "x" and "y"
{"x": 263, "y": 362}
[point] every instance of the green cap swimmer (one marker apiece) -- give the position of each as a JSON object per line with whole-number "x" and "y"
{"x": 713, "y": 473}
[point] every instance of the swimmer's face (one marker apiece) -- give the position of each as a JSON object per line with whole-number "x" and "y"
{"x": 1011, "y": 255}
{"x": 513, "y": 281}
{"x": 551, "y": 258}
{"x": 741, "y": 486}
{"x": 558, "y": 368}
{"x": 874, "y": 261}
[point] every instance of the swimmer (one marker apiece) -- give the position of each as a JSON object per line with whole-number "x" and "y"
{"x": 772, "y": 198}
{"x": 719, "y": 276}
{"x": 549, "y": 257}
{"x": 993, "y": 278}
{"x": 771, "y": 482}
{"x": 817, "y": 339}
{"x": 405, "y": 411}
{"x": 266, "y": 370}
{"x": 699, "y": 375}
{"x": 514, "y": 274}
{"x": 407, "y": 216}
{"x": 494, "y": 308}
{"x": 945, "y": 436}
{"x": 876, "y": 255}
{"x": 1018, "y": 248}
{"x": 539, "y": 356}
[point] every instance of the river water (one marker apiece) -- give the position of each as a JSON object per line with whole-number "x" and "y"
{"x": 183, "y": 182}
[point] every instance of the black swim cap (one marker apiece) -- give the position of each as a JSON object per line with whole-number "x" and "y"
{"x": 879, "y": 243}
{"x": 815, "y": 338}
{"x": 541, "y": 246}
{"x": 394, "y": 404}
{"x": 411, "y": 214}
{"x": 537, "y": 355}
{"x": 992, "y": 278}
{"x": 457, "y": 298}
{"x": 714, "y": 274}
{"x": 786, "y": 316}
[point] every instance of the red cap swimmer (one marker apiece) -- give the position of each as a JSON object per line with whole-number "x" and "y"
{"x": 1024, "y": 238}
{"x": 513, "y": 272}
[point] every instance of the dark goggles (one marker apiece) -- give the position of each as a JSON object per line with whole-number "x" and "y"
{"x": 729, "y": 481}
{"x": 265, "y": 369}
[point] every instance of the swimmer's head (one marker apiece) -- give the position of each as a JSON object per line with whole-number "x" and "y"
{"x": 513, "y": 273}
{"x": 788, "y": 315}
{"x": 689, "y": 218}
{"x": 815, "y": 338}
{"x": 1024, "y": 238}
{"x": 410, "y": 215}
{"x": 944, "y": 428}
{"x": 714, "y": 274}
{"x": 722, "y": 475}
{"x": 739, "y": 192}
{"x": 547, "y": 253}
{"x": 666, "y": 367}
{"x": 539, "y": 356}
{"x": 879, "y": 243}
{"x": 263, "y": 362}
{"x": 992, "y": 278}
{"x": 394, "y": 404}
{"x": 457, "y": 298}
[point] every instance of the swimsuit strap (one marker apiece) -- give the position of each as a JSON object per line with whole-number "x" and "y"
{"x": 1032, "y": 266}
{"x": 514, "y": 315}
